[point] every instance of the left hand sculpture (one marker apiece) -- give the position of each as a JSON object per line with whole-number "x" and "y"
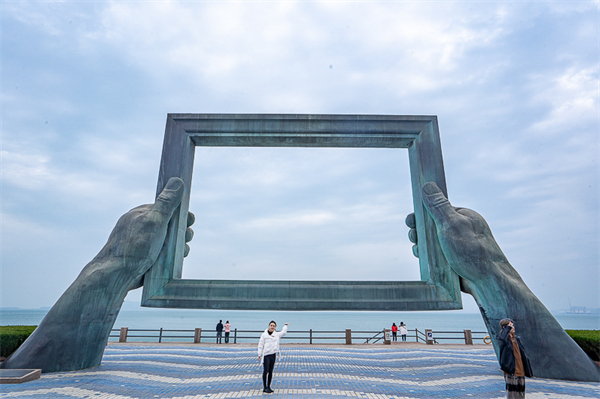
{"x": 75, "y": 331}
{"x": 485, "y": 273}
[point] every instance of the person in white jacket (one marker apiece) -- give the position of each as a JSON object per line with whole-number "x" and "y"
{"x": 403, "y": 331}
{"x": 268, "y": 346}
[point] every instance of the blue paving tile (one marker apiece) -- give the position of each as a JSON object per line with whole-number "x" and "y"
{"x": 371, "y": 371}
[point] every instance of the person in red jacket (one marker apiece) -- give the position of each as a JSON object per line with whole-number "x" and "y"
{"x": 394, "y": 332}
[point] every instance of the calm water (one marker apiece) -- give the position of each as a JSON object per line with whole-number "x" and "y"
{"x": 186, "y": 319}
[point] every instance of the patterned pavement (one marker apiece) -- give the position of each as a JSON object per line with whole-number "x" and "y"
{"x": 187, "y": 371}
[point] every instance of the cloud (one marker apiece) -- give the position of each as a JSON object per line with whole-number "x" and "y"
{"x": 572, "y": 99}
{"x": 86, "y": 88}
{"x": 278, "y": 222}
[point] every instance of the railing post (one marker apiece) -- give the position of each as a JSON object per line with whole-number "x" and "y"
{"x": 160, "y": 336}
{"x": 468, "y": 337}
{"x": 417, "y": 335}
{"x": 348, "y": 336}
{"x": 123, "y": 334}
{"x": 311, "y": 336}
{"x": 197, "y": 335}
{"x": 235, "y": 336}
{"x": 428, "y": 336}
{"x": 387, "y": 336}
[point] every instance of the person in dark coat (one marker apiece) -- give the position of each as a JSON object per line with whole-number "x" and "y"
{"x": 219, "y": 331}
{"x": 513, "y": 361}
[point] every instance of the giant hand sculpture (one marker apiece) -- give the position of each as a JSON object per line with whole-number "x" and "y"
{"x": 485, "y": 273}
{"x": 75, "y": 331}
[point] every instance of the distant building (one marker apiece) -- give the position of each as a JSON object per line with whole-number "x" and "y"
{"x": 578, "y": 309}
{"x": 583, "y": 310}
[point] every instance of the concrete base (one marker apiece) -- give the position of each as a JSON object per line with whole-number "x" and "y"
{"x": 18, "y": 376}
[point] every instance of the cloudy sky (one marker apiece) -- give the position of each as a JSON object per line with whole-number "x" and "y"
{"x": 86, "y": 88}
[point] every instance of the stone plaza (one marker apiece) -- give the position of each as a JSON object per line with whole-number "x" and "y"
{"x": 194, "y": 371}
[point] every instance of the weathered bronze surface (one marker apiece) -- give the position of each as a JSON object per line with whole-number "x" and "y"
{"x": 438, "y": 289}
{"x": 500, "y": 292}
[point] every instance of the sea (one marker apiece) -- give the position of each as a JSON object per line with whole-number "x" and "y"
{"x": 368, "y": 323}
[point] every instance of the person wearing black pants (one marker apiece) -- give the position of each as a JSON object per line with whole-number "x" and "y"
{"x": 267, "y": 376}
{"x": 268, "y": 346}
{"x": 219, "y": 331}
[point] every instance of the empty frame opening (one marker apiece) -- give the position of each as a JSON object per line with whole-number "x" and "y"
{"x": 275, "y": 213}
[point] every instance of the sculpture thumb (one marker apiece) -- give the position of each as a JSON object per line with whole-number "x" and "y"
{"x": 437, "y": 204}
{"x": 169, "y": 198}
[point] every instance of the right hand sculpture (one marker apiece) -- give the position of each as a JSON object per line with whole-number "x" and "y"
{"x": 485, "y": 273}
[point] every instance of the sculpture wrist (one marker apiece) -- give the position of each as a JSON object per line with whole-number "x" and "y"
{"x": 108, "y": 271}
{"x": 109, "y": 278}
{"x": 506, "y": 295}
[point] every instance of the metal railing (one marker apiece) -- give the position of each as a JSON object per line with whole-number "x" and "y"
{"x": 420, "y": 335}
{"x": 303, "y": 336}
{"x": 411, "y": 336}
{"x": 379, "y": 336}
{"x": 477, "y": 336}
{"x": 160, "y": 335}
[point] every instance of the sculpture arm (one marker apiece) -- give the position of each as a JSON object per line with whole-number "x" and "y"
{"x": 499, "y": 291}
{"x": 75, "y": 331}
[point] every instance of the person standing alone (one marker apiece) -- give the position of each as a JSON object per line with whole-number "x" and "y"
{"x": 219, "y": 331}
{"x": 268, "y": 346}
{"x": 513, "y": 361}
{"x": 227, "y": 330}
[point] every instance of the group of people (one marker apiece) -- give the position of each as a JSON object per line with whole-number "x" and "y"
{"x": 220, "y": 327}
{"x": 268, "y": 347}
{"x": 399, "y": 329}
{"x": 513, "y": 361}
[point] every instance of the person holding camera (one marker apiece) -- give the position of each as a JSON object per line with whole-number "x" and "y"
{"x": 513, "y": 360}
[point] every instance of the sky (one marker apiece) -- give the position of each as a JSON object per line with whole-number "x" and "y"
{"x": 87, "y": 86}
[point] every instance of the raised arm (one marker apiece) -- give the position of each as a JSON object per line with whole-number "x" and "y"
{"x": 284, "y": 330}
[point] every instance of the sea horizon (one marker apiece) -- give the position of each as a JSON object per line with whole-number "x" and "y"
{"x": 189, "y": 319}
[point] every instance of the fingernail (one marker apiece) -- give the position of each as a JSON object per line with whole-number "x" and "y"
{"x": 430, "y": 188}
{"x": 174, "y": 183}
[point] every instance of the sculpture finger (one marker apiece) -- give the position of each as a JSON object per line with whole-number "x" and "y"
{"x": 437, "y": 204}
{"x": 411, "y": 221}
{"x": 170, "y": 198}
{"x": 191, "y": 219}
{"x": 415, "y": 250}
{"x": 412, "y": 236}
{"x": 412, "y": 233}
{"x": 189, "y": 234}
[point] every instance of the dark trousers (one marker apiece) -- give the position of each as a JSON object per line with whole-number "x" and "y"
{"x": 219, "y": 337}
{"x": 403, "y": 337}
{"x": 394, "y": 336}
{"x": 269, "y": 364}
{"x": 226, "y": 337}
